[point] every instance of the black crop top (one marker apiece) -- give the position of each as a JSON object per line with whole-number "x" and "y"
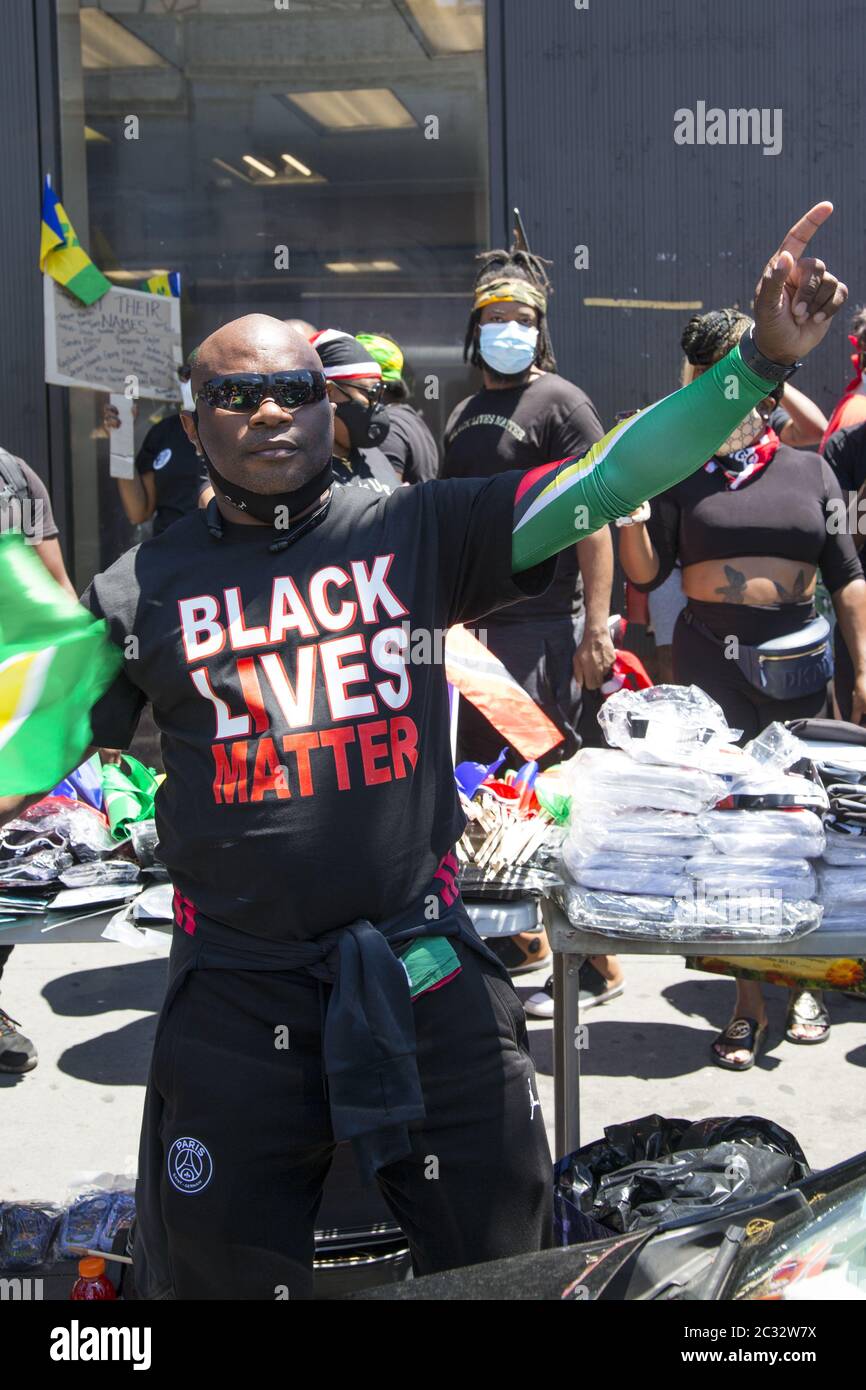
{"x": 783, "y": 512}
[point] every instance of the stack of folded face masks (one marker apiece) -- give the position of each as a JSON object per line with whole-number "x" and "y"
{"x": 648, "y": 854}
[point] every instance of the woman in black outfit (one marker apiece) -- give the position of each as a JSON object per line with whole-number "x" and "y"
{"x": 750, "y": 531}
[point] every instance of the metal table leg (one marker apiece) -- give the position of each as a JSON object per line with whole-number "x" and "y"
{"x": 567, "y": 1041}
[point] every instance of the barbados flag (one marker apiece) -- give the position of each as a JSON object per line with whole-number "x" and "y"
{"x": 61, "y": 254}
{"x": 166, "y": 283}
{"x": 55, "y": 662}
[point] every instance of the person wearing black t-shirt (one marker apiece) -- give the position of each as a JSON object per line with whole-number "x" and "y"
{"x": 751, "y": 530}
{"x": 170, "y": 479}
{"x": 409, "y": 445}
{"x": 526, "y": 415}
{"x": 325, "y": 981}
{"x": 845, "y": 451}
{"x": 361, "y": 420}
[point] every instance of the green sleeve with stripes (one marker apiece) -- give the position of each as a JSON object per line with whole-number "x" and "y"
{"x": 560, "y": 503}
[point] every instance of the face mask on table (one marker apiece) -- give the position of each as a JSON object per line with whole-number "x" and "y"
{"x": 509, "y": 347}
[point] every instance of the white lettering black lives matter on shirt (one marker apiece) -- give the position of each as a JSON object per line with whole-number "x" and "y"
{"x": 309, "y": 778}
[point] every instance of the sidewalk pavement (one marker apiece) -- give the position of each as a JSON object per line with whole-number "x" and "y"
{"x": 91, "y": 1010}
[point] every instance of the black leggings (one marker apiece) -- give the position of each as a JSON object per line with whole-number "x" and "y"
{"x": 699, "y": 661}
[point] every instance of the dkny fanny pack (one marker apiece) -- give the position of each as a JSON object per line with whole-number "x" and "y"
{"x": 784, "y": 668}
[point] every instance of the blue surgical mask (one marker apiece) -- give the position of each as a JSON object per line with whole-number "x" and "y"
{"x": 508, "y": 347}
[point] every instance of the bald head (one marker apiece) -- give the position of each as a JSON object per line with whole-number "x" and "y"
{"x": 254, "y": 343}
{"x": 269, "y": 449}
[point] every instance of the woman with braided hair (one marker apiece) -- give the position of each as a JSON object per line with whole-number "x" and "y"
{"x": 750, "y": 532}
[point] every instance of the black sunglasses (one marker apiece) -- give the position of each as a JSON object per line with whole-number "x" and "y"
{"x": 246, "y": 390}
{"x": 373, "y": 394}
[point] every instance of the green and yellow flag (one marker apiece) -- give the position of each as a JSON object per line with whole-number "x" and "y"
{"x": 61, "y": 254}
{"x": 56, "y": 660}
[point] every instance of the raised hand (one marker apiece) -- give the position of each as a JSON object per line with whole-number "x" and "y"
{"x": 796, "y": 297}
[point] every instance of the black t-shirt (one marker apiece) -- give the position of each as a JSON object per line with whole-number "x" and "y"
{"x": 410, "y": 446}
{"x": 366, "y": 468}
{"x": 178, "y": 474}
{"x": 519, "y": 428}
{"x": 845, "y": 451}
{"x": 783, "y": 512}
{"x": 309, "y": 776}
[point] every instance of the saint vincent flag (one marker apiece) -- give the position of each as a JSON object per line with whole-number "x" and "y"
{"x": 61, "y": 255}
{"x": 166, "y": 284}
{"x": 55, "y": 662}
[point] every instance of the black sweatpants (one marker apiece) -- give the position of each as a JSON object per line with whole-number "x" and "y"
{"x": 5, "y": 953}
{"x": 238, "y": 1204}
{"x": 698, "y": 661}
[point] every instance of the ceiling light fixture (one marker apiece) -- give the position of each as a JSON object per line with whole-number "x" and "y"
{"x": 364, "y": 108}
{"x": 296, "y": 164}
{"x": 107, "y": 44}
{"x": 259, "y": 165}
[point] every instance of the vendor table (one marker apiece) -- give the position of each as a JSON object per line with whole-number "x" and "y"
{"x": 571, "y": 945}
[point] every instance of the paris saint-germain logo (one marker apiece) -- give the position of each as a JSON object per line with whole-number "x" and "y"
{"x": 190, "y": 1167}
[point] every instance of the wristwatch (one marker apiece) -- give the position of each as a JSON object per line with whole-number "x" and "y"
{"x": 755, "y": 359}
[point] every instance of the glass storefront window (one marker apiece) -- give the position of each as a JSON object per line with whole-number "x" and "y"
{"x": 323, "y": 161}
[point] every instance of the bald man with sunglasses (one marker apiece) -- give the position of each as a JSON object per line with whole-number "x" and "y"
{"x": 325, "y": 981}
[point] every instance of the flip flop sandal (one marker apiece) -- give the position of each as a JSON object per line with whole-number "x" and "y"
{"x": 804, "y": 1008}
{"x": 741, "y": 1033}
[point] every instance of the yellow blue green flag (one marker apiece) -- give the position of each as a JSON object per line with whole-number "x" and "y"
{"x": 56, "y": 660}
{"x": 166, "y": 283}
{"x": 62, "y": 256}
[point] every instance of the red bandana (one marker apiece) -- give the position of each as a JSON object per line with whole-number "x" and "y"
{"x": 748, "y": 463}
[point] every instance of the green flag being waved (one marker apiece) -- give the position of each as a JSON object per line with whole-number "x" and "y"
{"x": 55, "y": 662}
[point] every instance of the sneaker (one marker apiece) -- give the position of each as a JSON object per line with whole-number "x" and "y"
{"x": 525, "y": 951}
{"x": 540, "y": 1004}
{"x": 17, "y": 1053}
{"x": 594, "y": 988}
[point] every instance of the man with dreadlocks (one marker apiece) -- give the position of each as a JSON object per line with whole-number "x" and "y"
{"x": 526, "y": 415}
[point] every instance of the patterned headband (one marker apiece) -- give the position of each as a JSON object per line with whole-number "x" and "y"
{"x": 498, "y": 291}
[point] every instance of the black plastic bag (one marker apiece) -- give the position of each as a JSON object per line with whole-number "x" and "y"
{"x": 653, "y": 1170}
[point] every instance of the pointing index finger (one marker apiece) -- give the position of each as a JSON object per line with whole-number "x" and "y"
{"x": 803, "y": 230}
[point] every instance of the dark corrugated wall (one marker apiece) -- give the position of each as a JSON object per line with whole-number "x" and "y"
{"x": 583, "y": 104}
{"x": 23, "y": 419}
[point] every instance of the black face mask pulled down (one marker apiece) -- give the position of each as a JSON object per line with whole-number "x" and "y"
{"x": 277, "y": 509}
{"x": 366, "y": 426}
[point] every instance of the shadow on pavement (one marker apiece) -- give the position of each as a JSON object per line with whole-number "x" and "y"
{"x": 117, "y": 1058}
{"x": 83, "y": 993}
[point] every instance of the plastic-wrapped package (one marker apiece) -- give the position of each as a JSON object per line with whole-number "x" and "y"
{"x": 142, "y": 833}
{"x": 72, "y": 825}
{"x": 666, "y": 724}
{"x": 843, "y": 850}
{"x": 707, "y": 918}
{"x": 639, "y": 832}
{"x": 606, "y": 780}
{"x": 45, "y": 866}
{"x": 26, "y": 1234}
{"x": 623, "y": 873}
{"x": 840, "y": 887}
{"x": 793, "y": 834}
{"x": 769, "y": 789}
{"x": 120, "y": 1217}
{"x": 81, "y": 1223}
{"x": 790, "y": 878}
{"x": 776, "y": 747}
{"x": 100, "y": 871}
